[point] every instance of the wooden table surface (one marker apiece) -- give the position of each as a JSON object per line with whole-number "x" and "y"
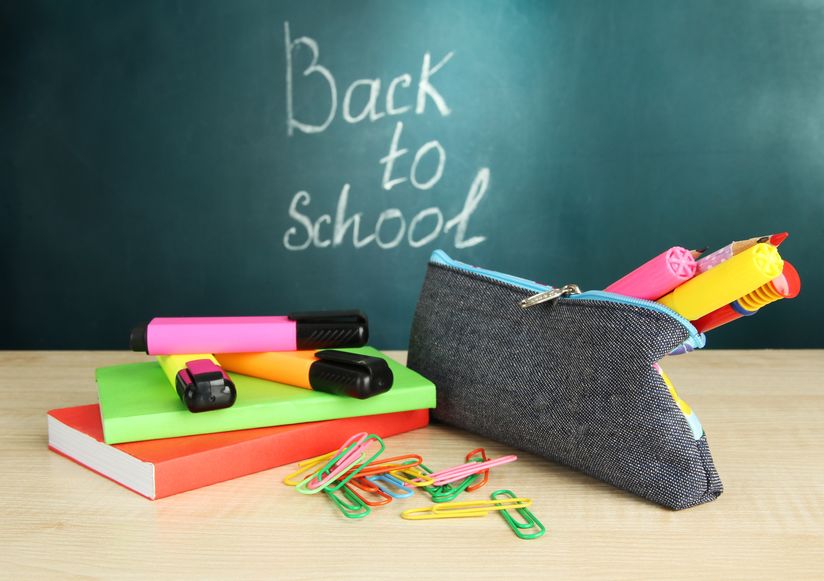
{"x": 763, "y": 412}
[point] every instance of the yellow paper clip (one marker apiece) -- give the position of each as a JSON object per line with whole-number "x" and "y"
{"x": 468, "y": 508}
{"x": 418, "y": 477}
{"x": 305, "y": 466}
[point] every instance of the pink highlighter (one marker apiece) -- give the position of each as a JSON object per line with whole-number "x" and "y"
{"x": 297, "y": 331}
{"x": 659, "y": 276}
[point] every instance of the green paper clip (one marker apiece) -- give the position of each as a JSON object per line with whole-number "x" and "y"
{"x": 362, "y": 463}
{"x": 449, "y": 492}
{"x": 320, "y": 475}
{"x": 354, "y": 508}
{"x": 324, "y": 475}
{"x": 520, "y": 528}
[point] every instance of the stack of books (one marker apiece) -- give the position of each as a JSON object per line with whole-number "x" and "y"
{"x": 142, "y": 436}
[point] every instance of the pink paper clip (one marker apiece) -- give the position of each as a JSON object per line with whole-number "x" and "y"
{"x": 462, "y": 471}
{"x": 350, "y": 452}
{"x": 358, "y": 440}
{"x": 351, "y": 458}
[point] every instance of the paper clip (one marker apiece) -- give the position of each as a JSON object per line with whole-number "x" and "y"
{"x": 400, "y": 490}
{"x": 366, "y": 486}
{"x": 351, "y": 453}
{"x": 469, "y": 508}
{"x": 462, "y": 471}
{"x": 362, "y": 483}
{"x": 305, "y": 466}
{"x": 391, "y": 464}
{"x": 425, "y": 474}
{"x": 413, "y": 477}
{"x": 361, "y": 463}
{"x": 352, "y": 507}
{"x": 350, "y": 448}
{"x": 327, "y": 474}
{"x": 485, "y": 474}
{"x": 529, "y": 522}
{"x": 448, "y": 492}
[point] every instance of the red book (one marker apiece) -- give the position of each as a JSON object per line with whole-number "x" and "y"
{"x": 160, "y": 468}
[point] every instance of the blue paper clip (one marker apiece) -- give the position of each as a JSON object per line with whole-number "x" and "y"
{"x": 400, "y": 489}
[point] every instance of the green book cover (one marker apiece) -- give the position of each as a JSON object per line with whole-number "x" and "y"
{"x": 137, "y": 402}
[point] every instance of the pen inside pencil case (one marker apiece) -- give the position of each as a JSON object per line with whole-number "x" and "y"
{"x": 689, "y": 414}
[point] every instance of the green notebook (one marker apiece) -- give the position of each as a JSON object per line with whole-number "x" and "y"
{"x": 137, "y": 402}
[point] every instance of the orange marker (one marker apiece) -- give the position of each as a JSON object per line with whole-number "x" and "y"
{"x": 330, "y": 371}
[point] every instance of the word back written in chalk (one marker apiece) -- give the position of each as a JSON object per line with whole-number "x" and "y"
{"x": 404, "y": 95}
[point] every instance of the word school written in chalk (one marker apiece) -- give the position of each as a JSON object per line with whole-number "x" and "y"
{"x": 391, "y": 228}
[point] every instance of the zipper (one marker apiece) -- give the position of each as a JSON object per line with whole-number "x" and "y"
{"x": 597, "y": 295}
{"x": 696, "y": 339}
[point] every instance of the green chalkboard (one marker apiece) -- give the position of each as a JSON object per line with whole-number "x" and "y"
{"x": 210, "y": 157}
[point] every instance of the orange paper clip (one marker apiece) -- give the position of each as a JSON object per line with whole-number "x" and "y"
{"x": 485, "y": 478}
{"x": 366, "y": 486}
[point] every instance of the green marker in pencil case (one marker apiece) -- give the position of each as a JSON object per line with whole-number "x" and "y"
{"x": 692, "y": 419}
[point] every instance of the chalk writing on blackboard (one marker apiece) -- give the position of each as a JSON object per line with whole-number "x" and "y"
{"x": 391, "y": 228}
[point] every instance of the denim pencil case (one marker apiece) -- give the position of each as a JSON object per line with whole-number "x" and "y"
{"x": 573, "y": 379}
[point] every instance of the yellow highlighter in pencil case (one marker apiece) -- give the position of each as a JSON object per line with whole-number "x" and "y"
{"x": 730, "y": 280}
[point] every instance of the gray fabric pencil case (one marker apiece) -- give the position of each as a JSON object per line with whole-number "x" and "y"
{"x": 572, "y": 379}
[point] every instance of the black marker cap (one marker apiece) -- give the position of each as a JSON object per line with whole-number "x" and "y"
{"x": 330, "y": 329}
{"x": 137, "y": 339}
{"x": 351, "y": 374}
{"x": 205, "y": 392}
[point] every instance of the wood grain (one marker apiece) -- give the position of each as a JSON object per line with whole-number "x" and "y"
{"x": 763, "y": 412}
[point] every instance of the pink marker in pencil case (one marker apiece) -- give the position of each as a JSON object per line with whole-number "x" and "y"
{"x": 657, "y": 277}
{"x": 315, "y": 330}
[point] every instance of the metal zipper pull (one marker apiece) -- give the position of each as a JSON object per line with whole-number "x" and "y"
{"x": 550, "y": 295}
